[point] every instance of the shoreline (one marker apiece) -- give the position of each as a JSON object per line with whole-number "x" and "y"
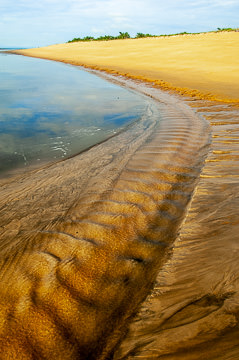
{"x": 202, "y": 66}
{"x": 88, "y": 189}
{"x": 158, "y": 84}
{"x": 23, "y": 172}
{"x": 192, "y": 312}
{"x": 154, "y": 95}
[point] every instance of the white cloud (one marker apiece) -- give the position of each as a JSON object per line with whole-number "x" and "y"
{"x": 52, "y": 21}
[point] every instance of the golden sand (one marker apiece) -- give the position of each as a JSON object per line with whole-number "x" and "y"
{"x": 199, "y": 65}
{"x": 102, "y": 231}
{"x": 82, "y": 240}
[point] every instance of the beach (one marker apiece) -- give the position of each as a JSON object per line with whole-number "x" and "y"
{"x": 204, "y": 65}
{"x": 156, "y": 271}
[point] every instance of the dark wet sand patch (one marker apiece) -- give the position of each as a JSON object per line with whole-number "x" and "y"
{"x": 131, "y": 226}
{"x": 193, "y": 310}
{"x": 83, "y": 239}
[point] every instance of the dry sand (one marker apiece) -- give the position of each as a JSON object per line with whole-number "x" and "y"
{"x": 205, "y": 65}
{"x": 192, "y": 312}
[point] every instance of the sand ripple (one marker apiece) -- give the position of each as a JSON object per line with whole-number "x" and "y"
{"x": 193, "y": 311}
{"x": 82, "y": 240}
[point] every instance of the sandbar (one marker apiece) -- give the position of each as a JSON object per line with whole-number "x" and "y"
{"x": 198, "y": 65}
{"x": 192, "y": 312}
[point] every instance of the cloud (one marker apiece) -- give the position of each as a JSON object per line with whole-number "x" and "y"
{"x": 44, "y": 22}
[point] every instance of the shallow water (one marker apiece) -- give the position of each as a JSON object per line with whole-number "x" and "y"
{"x": 134, "y": 225}
{"x": 82, "y": 240}
{"x": 50, "y": 111}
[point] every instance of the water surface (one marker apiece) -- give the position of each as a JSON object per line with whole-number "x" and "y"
{"x": 50, "y": 111}
{"x": 82, "y": 240}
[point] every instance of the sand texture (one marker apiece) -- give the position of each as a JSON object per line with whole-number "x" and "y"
{"x": 130, "y": 250}
{"x": 204, "y": 65}
{"x": 82, "y": 240}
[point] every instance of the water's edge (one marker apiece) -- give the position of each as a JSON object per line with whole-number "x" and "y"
{"x": 105, "y": 219}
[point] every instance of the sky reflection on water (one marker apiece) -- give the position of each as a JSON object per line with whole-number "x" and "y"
{"x": 49, "y": 111}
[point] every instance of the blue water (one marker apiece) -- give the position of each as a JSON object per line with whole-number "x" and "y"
{"x": 50, "y": 111}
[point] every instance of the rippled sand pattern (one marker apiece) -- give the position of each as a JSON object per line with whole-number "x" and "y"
{"x": 82, "y": 241}
{"x": 193, "y": 311}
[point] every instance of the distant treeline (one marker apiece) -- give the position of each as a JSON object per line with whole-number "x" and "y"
{"x": 122, "y": 35}
{"x": 126, "y": 35}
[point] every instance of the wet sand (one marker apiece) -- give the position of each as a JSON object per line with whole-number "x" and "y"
{"x": 162, "y": 223}
{"x": 193, "y": 310}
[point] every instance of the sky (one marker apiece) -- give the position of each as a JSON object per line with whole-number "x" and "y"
{"x": 29, "y": 23}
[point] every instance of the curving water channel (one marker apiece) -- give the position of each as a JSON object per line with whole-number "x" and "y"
{"x": 82, "y": 240}
{"x": 128, "y": 250}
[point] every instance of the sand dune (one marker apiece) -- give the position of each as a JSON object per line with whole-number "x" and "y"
{"x": 205, "y": 64}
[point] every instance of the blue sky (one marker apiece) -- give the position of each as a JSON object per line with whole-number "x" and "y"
{"x": 30, "y": 23}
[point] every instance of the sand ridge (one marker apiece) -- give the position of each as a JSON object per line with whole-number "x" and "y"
{"x": 198, "y": 65}
{"x": 193, "y": 312}
{"x": 70, "y": 285}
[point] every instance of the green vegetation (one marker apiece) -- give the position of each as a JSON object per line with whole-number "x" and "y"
{"x": 227, "y": 29}
{"x": 126, "y": 35}
{"x": 122, "y": 35}
{"x": 141, "y": 35}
